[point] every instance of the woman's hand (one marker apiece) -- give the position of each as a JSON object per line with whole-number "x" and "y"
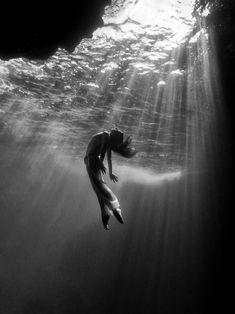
{"x": 113, "y": 177}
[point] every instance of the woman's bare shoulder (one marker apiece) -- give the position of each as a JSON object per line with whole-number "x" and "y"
{"x": 106, "y": 134}
{"x": 101, "y": 136}
{"x": 106, "y": 137}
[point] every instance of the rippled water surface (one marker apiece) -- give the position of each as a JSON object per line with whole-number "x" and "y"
{"x": 135, "y": 73}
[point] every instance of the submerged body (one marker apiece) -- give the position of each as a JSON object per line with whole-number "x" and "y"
{"x": 96, "y": 150}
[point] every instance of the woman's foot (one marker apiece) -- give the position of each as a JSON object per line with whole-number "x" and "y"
{"x": 105, "y": 219}
{"x": 118, "y": 214}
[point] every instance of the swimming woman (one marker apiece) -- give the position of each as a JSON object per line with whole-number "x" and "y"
{"x": 98, "y": 146}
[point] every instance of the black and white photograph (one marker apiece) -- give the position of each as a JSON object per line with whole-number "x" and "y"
{"x": 116, "y": 156}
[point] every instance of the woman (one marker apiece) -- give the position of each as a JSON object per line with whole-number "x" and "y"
{"x": 100, "y": 144}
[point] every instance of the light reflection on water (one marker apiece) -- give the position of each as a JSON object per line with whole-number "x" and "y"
{"x": 132, "y": 74}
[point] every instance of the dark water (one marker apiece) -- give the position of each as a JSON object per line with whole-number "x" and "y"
{"x": 146, "y": 78}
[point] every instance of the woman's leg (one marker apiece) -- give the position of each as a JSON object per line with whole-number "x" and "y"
{"x": 104, "y": 214}
{"x": 118, "y": 214}
{"x": 107, "y": 199}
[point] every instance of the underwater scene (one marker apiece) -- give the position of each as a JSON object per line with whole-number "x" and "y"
{"x": 151, "y": 72}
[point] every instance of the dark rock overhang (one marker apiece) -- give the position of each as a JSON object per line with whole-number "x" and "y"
{"x": 36, "y": 29}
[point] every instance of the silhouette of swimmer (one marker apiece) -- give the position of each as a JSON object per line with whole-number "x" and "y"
{"x": 98, "y": 146}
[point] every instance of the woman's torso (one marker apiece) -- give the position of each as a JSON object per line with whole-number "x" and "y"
{"x": 98, "y": 144}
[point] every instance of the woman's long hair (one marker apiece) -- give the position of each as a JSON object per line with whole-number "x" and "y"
{"x": 118, "y": 145}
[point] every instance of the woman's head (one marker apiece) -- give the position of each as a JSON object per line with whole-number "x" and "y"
{"x": 120, "y": 146}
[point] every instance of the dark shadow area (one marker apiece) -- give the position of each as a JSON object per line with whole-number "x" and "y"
{"x": 37, "y": 30}
{"x": 221, "y": 29}
{"x": 56, "y": 257}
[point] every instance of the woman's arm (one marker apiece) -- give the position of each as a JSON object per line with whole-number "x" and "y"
{"x": 104, "y": 144}
{"x": 109, "y": 158}
{"x": 103, "y": 151}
